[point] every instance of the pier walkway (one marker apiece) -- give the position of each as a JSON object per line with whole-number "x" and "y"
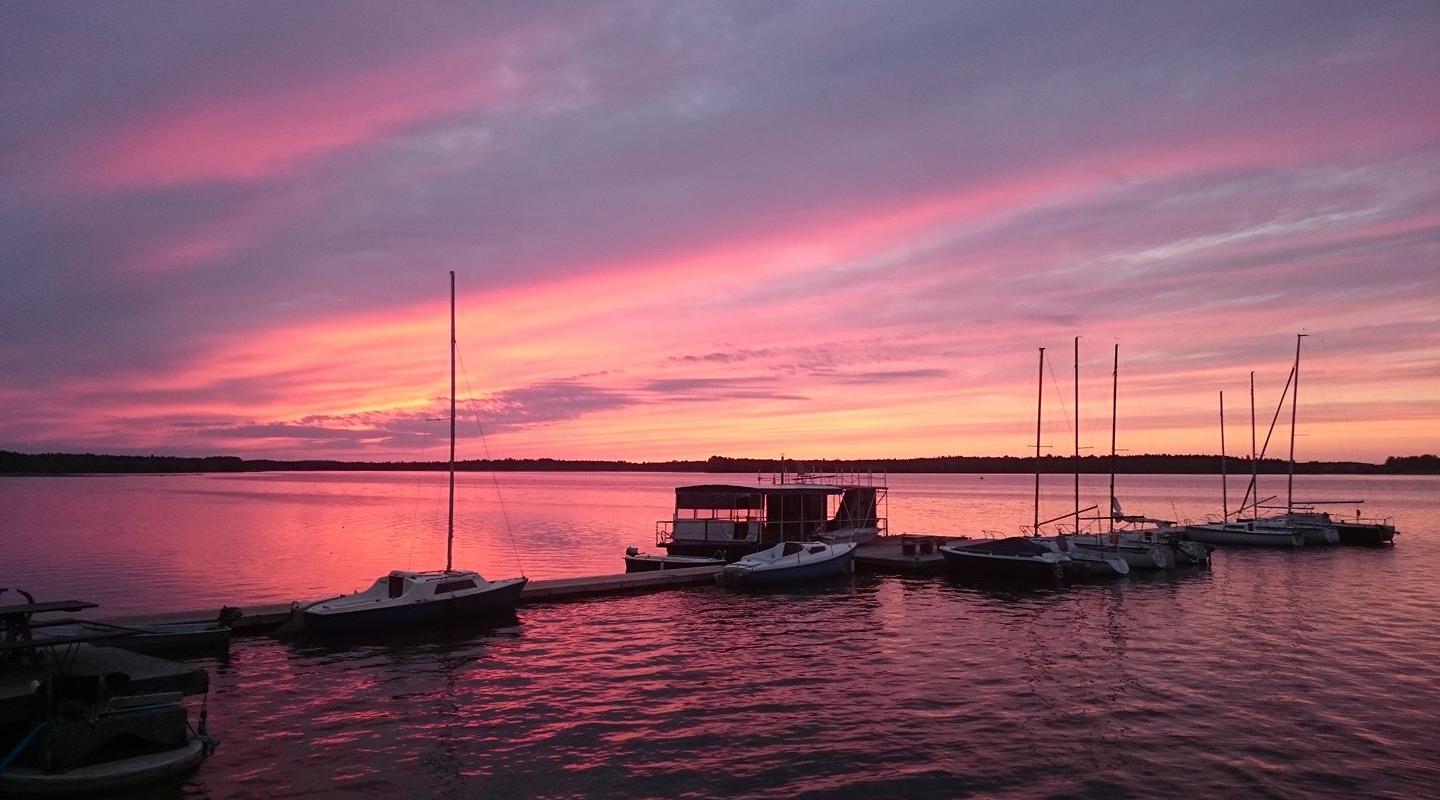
{"x": 264, "y": 618}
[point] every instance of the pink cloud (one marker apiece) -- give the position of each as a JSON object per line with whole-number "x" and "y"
{"x": 252, "y": 136}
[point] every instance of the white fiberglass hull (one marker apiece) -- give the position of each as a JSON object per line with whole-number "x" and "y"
{"x": 1137, "y": 552}
{"x": 1238, "y": 534}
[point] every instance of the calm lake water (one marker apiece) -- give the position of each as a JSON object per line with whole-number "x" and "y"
{"x": 1309, "y": 673}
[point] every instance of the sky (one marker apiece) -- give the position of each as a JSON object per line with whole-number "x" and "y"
{"x": 819, "y": 229}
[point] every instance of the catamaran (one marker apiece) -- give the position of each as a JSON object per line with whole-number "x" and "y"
{"x": 403, "y": 598}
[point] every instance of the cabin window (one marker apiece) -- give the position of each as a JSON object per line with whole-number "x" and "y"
{"x": 818, "y": 549}
{"x": 397, "y": 586}
{"x": 454, "y": 586}
{"x": 791, "y": 548}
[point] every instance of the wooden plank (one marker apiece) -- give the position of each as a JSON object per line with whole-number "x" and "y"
{"x": 590, "y": 586}
{"x": 48, "y": 606}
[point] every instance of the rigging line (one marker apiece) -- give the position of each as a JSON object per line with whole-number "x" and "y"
{"x": 420, "y": 474}
{"x": 1335, "y": 408}
{"x": 1059, "y": 396}
{"x": 1284, "y": 393}
{"x": 485, "y": 445}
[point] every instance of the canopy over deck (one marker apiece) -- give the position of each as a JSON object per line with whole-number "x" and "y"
{"x": 750, "y": 497}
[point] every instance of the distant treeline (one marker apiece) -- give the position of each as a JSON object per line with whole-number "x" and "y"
{"x": 71, "y": 463}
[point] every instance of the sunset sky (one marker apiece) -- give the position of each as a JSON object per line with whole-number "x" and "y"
{"x": 823, "y": 229}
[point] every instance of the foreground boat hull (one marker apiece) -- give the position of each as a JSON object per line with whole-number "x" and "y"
{"x": 497, "y": 601}
{"x": 107, "y": 777}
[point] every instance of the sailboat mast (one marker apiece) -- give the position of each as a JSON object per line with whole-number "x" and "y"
{"x": 1224, "y": 487}
{"x": 1254, "y": 463}
{"x": 1077, "y": 434}
{"x": 450, "y": 527}
{"x": 1114, "y": 411}
{"x": 1039, "y": 403}
{"x": 1294, "y": 406}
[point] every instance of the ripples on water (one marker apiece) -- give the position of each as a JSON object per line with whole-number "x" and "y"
{"x": 1274, "y": 674}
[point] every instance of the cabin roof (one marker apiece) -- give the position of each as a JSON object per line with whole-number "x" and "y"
{"x": 720, "y": 495}
{"x": 787, "y": 488}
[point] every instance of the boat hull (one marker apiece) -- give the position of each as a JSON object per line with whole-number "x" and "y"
{"x": 496, "y": 602}
{"x": 1138, "y": 554}
{"x": 1365, "y": 535}
{"x": 163, "y": 638}
{"x": 651, "y": 563}
{"x": 811, "y": 571}
{"x": 105, "y": 778}
{"x": 1095, "y": 565}
{"x": 981, "y": 566}
{"x": 1236, "y": 536}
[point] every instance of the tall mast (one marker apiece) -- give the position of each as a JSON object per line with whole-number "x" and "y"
{"x": 450, "y": 527}
{"x": 1077, "y": 434}
{"x": 1254, "y": 464}
{"x": 1114, "y": 410}
{"x": 1294, "y": 405}
{"x": 1224, "y": 488}
{"x": 1039, "y": 402}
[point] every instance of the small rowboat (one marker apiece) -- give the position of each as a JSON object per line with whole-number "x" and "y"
{"x": 162, "y": 638}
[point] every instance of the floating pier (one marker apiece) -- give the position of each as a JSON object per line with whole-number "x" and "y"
{"x": 265, "y": 618}
{"x": 908, "y": 552}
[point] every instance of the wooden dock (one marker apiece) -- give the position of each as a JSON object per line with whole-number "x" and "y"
{"x": 907, "y": 552}
{"x": 265, "y": 618}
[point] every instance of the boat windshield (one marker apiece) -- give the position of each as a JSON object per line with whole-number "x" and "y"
{"x": 791, "y": 548}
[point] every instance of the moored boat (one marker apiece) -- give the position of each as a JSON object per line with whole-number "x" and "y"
{"x": 1364, "y": 533}
{"x": 791, "y": 562}
{"x": 1025, "y": 559}
{"x": 1090, "y": 563}
{"x": 636, "y": 561}
{"x": 106, "y": 778}
{"x": 403, "y": 598}
{"x": 729, "y": 521}
{"x": 172, "y": 637}
{"x": 1139, "y": 549}
{"x": 1255, "y": 533}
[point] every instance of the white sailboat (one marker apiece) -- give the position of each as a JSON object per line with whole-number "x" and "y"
{"x": 1294, "y": 528}
{"x": 404, "y": 598}
{"x": 1033, "y": 557}
{"x": 1160, "y": 545}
